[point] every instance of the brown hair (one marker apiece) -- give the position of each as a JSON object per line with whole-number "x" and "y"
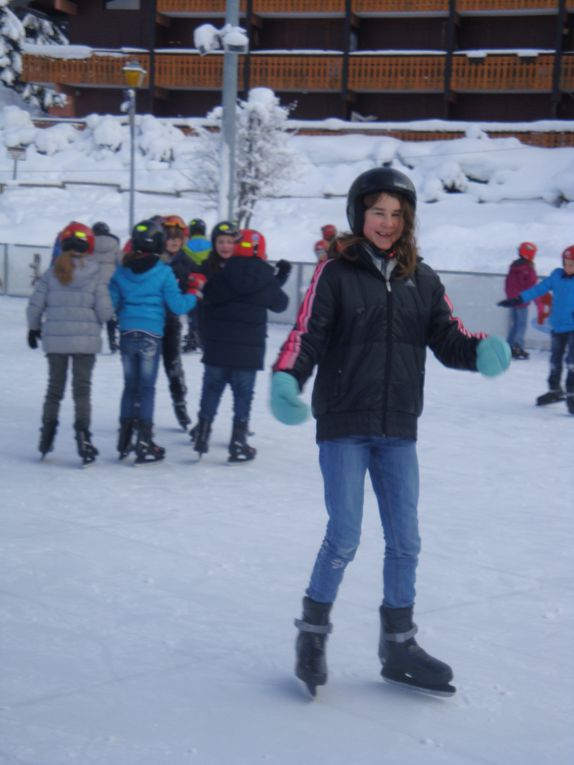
{"x": 406, "y": 250}
{"x": 64, "y": 265}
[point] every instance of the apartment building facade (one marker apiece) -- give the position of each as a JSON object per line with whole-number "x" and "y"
{"x": 389, "y": 60}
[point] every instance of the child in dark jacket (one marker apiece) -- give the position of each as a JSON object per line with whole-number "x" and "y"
{"x": 366, "y": 322}
{"x": 561, "y": 284}
{"x": 521, "y": 276}
{"x": 238, "y": 293}
{"x": 142, "y": 290}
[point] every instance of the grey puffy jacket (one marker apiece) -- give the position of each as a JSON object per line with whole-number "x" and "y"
{"x": 72, "y": 313}
{"x": 107, "y": 254}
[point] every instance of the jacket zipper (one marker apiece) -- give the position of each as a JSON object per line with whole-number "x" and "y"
{"x": 387, "y": 355}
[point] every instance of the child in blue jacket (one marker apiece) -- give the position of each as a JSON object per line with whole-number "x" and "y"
{"x": 561, "y": 284}
{"x": 142, "y": 290}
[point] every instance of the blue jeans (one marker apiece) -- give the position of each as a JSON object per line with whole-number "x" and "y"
{"x": 517, "y": 331}
{"x": 562, "y": 342}
{"x": 140, "y": 360}
{"x": 393, "y": 468}
{"x": 242, "y": 382}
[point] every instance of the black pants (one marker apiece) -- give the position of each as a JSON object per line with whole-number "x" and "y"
{"x": 171, "y": 353}
{"x": 82, "y": 368}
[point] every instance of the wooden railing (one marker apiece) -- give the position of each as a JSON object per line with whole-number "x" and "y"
{"x": 98, "y": 69}
{"x": 288, "y": 72}
{"x": 396, "y": 73}
{"x": 358, "y": 7}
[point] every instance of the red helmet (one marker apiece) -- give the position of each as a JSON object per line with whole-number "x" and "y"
{"x": 527, "y": 250}
{"x": 329, "y": 231}
{"x": 75, "y": 236}
{"x": 175, "y": 222}
{"x": 568, "y": 253}
{"x": 251, "y": 244}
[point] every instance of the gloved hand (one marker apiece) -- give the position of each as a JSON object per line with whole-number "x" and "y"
{"x": 33, "y": 336}
{"x": 283, "y": 269}
{"x": 195, "y": 284}
{"x": 511, "y": 302}
{"x": 286, "y": 405}
{"x": 492, "y": 356}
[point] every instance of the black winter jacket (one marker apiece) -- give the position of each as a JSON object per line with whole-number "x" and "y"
{"x": 368, "y": 336}
{"x": 234, "y": 313}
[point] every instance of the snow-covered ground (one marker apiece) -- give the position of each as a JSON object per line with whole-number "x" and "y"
{"x": 147, "y": 614}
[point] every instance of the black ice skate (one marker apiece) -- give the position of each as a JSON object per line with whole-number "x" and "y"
{"x": 86, "y": 449}
{"x": 570, "y": 402}
{"x": 199, "y": 435}
{"x": 181, "y": 414}
{"x": 125, "y": 435}
{"x": 314, "y": 627}
{"x": 551, "y": 397}
{"x": 519, "y": 353}
{"x": 146, "y": 450}
{"x": 404, "y": 661}
{"x": 239, "y": 449}
{"x": 47, "y": 436}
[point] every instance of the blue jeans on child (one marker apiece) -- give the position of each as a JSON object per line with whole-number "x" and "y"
{"x": 518, "y": 322}
{"x": 393, "y": 468}
{"x": 242, "y": 382}
{"x": 562, "y": 342}
{"x": 140, "y": 360}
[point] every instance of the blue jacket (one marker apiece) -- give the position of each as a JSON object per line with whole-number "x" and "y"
{"x": 562, "y": 288}
{"x": 141, "y": 299}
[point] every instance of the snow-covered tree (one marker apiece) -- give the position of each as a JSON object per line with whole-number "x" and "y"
{"x": 264, "y": 159}
{"x": 13, "y": 34}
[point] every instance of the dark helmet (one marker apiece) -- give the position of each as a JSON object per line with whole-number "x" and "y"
{"x": 375, "y": 181}
{"x": 197, "y": 226}
{"x": 101, "y": 229}
{"x": 148, "y": 236}
{"x": 225, "y": 228}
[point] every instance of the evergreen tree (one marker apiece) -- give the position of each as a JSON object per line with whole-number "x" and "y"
{"x": 13, "y": 34}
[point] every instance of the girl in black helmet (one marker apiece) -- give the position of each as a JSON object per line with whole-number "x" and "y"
{"x": 366, "y": 321}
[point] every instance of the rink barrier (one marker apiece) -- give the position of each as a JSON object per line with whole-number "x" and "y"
{"x": 474, "y": 295}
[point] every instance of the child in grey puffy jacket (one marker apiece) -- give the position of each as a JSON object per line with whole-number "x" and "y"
{"x": 69, "y": 305}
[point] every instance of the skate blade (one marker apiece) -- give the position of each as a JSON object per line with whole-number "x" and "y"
{"x": 139, "y": 463}
{"x": 444, "y": 691}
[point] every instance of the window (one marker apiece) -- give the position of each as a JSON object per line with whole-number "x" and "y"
{"x": 122, "y": 5}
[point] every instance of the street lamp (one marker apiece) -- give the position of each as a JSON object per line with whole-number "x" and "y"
{"x": 17, "y": 153}
{"x": 134, "y": 74}
{"x": 233, "y": 40}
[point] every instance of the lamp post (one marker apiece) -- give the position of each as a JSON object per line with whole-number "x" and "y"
{"x": 234, "y": 41}
{"x": 17, "y": 153}
{"x": 134, "y": 74}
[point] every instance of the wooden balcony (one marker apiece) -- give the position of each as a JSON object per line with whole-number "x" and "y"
{"x": 384, "y": 74}
{"x": 99, "y": 70}
{"x": 319, "y": 8}
{"x": 296, "y": 73}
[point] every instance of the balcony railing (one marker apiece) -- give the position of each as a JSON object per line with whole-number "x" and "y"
{"x": 367, "y": 74}
{"x": 358, "y": 7}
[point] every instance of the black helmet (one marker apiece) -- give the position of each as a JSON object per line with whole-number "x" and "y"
{"x": 375, "y": 181}
{"x": 148, "y": 236}
{"x": 197, "y": 226}
{"x": 101, "y": 229}
{"x": 224, "y": 228}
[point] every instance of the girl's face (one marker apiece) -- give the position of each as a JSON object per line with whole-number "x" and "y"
{"x": 569, "y": 267}
{"x": 224, "y": 246}
{"x": 384, "y": 222}
{"x": 173, "y": 245}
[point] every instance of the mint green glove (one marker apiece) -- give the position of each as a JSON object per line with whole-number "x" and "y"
{"x": 286, "y": 404}
{"x": 492, "y": 356}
